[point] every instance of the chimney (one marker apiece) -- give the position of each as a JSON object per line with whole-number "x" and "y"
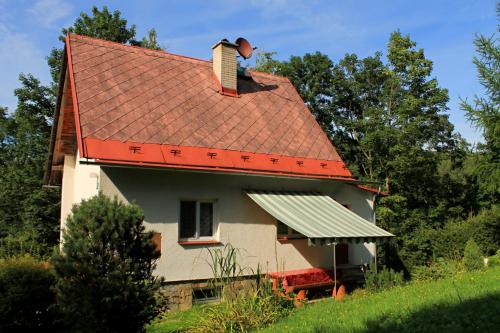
{"x": 225, "y": 67}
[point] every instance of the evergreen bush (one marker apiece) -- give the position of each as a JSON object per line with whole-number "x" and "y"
{"x": 494, "y": 261}
{"x": 439, "y": 269}
{"x": 105, "y": 271}
{"x": 26, "y": 295}
{"x": 473, "y": 258}
{"x": 383, "y": 279}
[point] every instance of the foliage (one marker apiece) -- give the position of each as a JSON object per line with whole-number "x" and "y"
{"x": 150, "y": 41}
{"x": 26, "y": 295}
{"x": 388, "y": 119}
{"x": 26, "y": 208}
{"x": 383, "y": 279}
{"x": 240, "y": 310}
{"x": 102, "y": 24}
{"x": 484, "y": 113}
{"x": 23, "y": 243}
{"x": 225, "y": 269}
{"x": 473, "y": 258}
{"x": 28, "y": 212}
{"x": 440, "y": 269}
{"x": 105, "y": 273}
{"x": 465, "y": 303}
{"x": 244, "y": 313}
{"x": 494, "y": 261}
{"x": 178, "y": 321}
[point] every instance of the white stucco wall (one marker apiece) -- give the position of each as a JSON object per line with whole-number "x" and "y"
{"x": 240, "y": 221}
{"x": 80, "y": 181}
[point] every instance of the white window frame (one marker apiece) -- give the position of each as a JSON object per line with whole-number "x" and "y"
{"x": 197, "y": 222}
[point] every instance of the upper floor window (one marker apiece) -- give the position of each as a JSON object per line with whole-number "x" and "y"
{"x": 196, "y": 219}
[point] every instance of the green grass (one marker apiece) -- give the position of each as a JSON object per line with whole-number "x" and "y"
{"x": 176, "y": 321}
{"x": 469, "y": 302}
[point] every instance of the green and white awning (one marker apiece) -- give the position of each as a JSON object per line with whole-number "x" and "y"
{"x": 318, "y": 217}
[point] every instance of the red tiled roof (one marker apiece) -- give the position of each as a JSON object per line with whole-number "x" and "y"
{"x": 158, "y": 101}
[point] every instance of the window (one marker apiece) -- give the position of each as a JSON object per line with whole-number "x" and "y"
{"x": 196, "y": 220}
{"x": 285, "y": 231}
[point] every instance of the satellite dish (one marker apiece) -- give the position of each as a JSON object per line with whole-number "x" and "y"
{"x": 244, "y": 48}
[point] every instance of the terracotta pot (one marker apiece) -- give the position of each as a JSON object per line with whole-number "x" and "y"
{"x": 301, "y": 295}
{"x": 339, "y": 293}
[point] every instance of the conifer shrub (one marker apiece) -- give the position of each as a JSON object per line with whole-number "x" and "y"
{"x": 494, "y": 261}
{"x": 105, "y": 271}
{"x": 473, "y": 258}
{"x": 26, "y": 295}
{"x": 383, "y": 279}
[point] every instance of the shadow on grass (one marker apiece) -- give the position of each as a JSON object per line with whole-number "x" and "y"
{"x": 474, "y": 315}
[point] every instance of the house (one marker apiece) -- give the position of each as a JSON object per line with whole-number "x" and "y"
{"x": 212, "y": 156}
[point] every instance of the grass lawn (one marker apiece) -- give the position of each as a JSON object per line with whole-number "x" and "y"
{"x": 466, "y": 303}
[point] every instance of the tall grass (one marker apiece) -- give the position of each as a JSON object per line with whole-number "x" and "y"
{"x": 242, "y": 307}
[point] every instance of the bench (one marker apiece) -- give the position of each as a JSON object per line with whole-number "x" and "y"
{"x": 304, "y": 279}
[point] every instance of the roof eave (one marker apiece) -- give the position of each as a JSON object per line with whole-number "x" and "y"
{"x": 55, "y": 118}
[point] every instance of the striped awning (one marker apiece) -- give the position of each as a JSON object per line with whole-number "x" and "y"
{"x": 318, "y": 217}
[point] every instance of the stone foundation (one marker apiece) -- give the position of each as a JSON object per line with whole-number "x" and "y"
{"x": 178, "y": 296}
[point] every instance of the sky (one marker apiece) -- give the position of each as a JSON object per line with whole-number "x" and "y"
{"x": 445, "y": 29}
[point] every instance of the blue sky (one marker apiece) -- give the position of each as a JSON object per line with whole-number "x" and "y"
{"x": 445, "y": 29}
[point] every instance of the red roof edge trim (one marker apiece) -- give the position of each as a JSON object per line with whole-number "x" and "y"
{"x": 371, "y": 189}
{"x": 75, "y": 100}
{"x": 184, "y": 157}
{"x": 222, "y": 90}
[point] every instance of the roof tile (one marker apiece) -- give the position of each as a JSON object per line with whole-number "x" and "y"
{"x": 138, "y": 95}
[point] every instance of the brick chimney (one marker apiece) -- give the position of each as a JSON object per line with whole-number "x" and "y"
{"x": 225, "y": 67}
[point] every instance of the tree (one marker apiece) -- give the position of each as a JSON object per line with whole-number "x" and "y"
{"x": 388, "y": 119}
{"x": 100, "y": 24}
{"x": 484, "y": 113}
{"x": 103, "y": 25}
{"x": 29, "y": 213}
{"x": 150, "y": 41}
{"x": 473, "y": 258}
{"x": 25, "y": 207}
{"x": 105, "y": 273}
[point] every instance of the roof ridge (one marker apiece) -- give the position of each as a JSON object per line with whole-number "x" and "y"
{"x": 166, "y": 53}
{"x": 138, "y": 48}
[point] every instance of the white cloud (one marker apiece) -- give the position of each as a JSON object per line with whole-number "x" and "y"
{"x": 47, "y": 12}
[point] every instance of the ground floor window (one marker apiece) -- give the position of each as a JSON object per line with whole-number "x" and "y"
{"x": 196, "y": 219}
{"x": 285, "y": 232}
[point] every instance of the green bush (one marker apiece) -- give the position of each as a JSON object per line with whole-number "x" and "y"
{"x": 105, "y": 273}
{"x": 484, "y": 228}
{"x": 24, "y": 243}
{"x": 244, "y": 312}
{"x": 383, "y": 279}
{"x": 439, "y": 269}
{"x": 26, "y": 295}
{"x": 494, "y": 261}
{"x": 240, "y": 309}
{"x": 473, "y": 259}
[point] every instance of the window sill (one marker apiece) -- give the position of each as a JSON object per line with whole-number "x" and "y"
{"x": 201, "y": 242}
